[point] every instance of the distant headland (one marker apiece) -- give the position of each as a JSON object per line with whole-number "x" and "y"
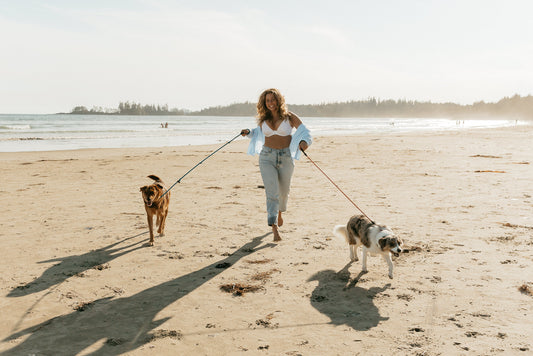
{"x": 516, "y": 107}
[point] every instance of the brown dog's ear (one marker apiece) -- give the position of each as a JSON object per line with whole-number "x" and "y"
{"x": 160, "y": 185}
{"x": 383, "y": 242}
{"x": 142, "y": 189}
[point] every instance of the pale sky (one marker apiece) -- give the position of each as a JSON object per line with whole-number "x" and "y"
{"x": 57, "y": 54}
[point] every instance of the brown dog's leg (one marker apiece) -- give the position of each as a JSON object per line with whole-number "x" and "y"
{"x": 150, "y": 218}
{"x": 163, "y": 221}
{"x": 158, "y": 223}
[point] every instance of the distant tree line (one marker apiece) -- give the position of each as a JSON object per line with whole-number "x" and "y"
{"x": 509, "y": 107}
{"x": 138, "y": 109}
{"x": 96, "y": 110}
{"x": 240, "y": 109}
{"x": 127, "y": 108}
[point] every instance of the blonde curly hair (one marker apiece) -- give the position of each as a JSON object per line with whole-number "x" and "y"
{"x": 263, "y": 113}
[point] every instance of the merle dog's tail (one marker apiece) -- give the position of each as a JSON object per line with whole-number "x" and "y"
{"x": 341, "y": 232}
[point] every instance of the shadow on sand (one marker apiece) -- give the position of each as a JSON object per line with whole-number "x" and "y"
{"x": 125, "y": 323}
{"x": 338, "y": 297}
{"x": 74, "y": 265}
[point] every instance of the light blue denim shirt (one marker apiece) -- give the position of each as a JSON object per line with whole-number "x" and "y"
{"x": 257, "y": 140}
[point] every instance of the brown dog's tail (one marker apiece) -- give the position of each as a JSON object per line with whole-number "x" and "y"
{"x": 156, "y": 178}
{"x": 158, "y": 181}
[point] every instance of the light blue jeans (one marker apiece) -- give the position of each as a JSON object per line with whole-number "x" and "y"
{"x": 276, "y": 167}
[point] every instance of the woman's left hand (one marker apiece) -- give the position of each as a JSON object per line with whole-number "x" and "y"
{"x": 303, "y": 145}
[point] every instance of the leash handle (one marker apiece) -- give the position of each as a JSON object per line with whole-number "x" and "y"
{"x": 336, "y": 186}
{"x": 199, "y": 163}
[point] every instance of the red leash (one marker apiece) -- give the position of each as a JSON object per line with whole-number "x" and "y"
{"x": 336, "y": 186}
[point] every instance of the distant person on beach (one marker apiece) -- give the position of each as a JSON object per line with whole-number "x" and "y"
{"x": 277, "y": 148}
{"x": 166, "y": 125}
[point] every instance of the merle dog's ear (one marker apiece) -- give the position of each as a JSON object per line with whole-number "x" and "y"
{"x": 383, "y": 242}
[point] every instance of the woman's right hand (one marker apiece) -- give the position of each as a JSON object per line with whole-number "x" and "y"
{"x": 245, "y": 132}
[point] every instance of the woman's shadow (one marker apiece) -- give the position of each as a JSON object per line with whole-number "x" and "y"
{"x": 125, "y": 323}
{"x": 338, "y": 297}
{"x": 74, "y": 265}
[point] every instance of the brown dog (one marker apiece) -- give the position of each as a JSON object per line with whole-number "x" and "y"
{"x": 154, "y": 204}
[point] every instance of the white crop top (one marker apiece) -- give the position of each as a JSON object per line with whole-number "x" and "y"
{"x": 284, "y": 129}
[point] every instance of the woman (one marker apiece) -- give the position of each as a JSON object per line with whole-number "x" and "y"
{"x": 276, "y": 146}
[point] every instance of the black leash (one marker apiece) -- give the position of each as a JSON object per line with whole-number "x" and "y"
{"x": 202, "y": 161}
{"x": 336, "y": 186}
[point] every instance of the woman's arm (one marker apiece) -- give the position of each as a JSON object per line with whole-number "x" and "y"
{"x": 294, "y": 120}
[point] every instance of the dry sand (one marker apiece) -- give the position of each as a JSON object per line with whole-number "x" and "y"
{"x": 78, "y": 278}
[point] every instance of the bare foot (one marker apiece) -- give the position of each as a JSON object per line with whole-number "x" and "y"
{"x": 280, "y": 219}
{"x": 276, "y": 233}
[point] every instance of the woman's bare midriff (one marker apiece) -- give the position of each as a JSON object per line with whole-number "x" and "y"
{"x": 278, "y": 142}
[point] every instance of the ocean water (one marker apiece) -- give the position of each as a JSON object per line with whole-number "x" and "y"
{"x": 20, "y": 133}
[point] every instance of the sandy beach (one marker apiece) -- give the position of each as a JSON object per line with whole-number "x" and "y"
{"x": 79, "y": 279}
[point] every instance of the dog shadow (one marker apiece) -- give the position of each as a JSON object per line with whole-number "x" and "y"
{"x": 75, "y": 265}
{"x": 124, "y": 323}
{"x": 338, "y": 297}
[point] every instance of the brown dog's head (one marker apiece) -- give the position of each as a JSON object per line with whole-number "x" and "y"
{"x": 391, "y": 243}
{"x": 151, "y": 193}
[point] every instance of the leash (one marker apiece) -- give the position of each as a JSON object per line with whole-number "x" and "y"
{"x": 202, "y": 161}
{"x": 336, "y": 186}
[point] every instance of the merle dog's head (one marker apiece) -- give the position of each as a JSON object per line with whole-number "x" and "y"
{"x": 391, "y": 243}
